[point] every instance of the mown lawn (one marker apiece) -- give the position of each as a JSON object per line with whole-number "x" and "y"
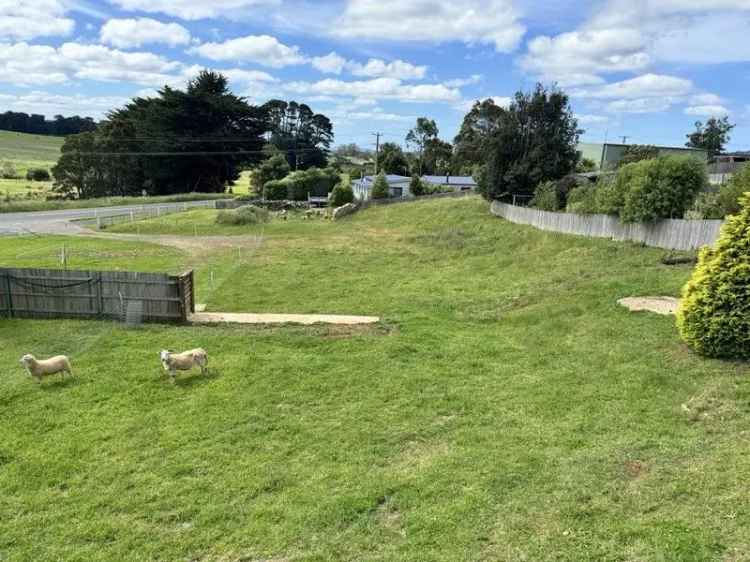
{"x": 506, "y": 409}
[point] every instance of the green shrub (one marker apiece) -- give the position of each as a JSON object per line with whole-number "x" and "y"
{"x": 582, "y": 200}
{"x": 416, "y": 186}
{"x": 8, "y": 171}
{"x": 661, "y": 188}
{"x": 247, "y": 214}
{"x": 314, "y": 182}
{"x": 546, "y": 197}
{"x": 38, "y": 174}
{"x": 610, "y": 192}
{"x": 275, "y": 190}
{"x": 380, "y": 189}
{"x": 730, "y": 192}
{"x": 714, "y": 316}
{"x": 341, "y": 195}
{"x": 706, "y": 206}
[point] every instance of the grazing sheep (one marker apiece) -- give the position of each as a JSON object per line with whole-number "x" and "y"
{"x": 184, "y": 361}
{"x": 39, "y": 369}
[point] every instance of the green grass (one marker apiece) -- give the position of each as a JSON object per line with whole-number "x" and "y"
{"x": 507, "y": 409}
{"x": 18, "y": 206}
{"x": 32, "y": 149}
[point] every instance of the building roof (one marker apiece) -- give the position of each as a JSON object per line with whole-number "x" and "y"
{"x": 390, "y": 178}
{"x": 450, "y": 180}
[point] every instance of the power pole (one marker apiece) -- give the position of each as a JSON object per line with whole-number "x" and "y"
{"x": 377, "y": 149}
{"x": 625, "y": 139}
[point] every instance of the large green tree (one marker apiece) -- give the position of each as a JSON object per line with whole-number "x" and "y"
{"x": 471, "y": 142}
{"x": 424, "y": 132}
{"x": 177, "y": 141}
{"x": 534, "y": 141}
{"x": 392, "y": 160}
{"x": 711, "y": 136}
{"x": 303, "y": 135}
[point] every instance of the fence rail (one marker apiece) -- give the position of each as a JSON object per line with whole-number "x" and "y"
{"x": 670, "y": 234}
{"x": 52, "y": 293}
{"x": 147, "y": 212}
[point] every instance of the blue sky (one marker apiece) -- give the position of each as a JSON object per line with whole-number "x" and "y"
{"x": 645, "y": 69}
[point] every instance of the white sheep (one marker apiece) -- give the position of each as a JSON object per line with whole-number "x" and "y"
{"x": 42, "y": 368}
{"x": 184, "y": 361}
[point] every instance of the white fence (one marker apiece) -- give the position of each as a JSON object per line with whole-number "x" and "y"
{"x": 671, "y": 234}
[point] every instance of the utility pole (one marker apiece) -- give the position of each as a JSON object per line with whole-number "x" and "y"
{"x": 377, "y": 149}
{"x": 625, "y": 139}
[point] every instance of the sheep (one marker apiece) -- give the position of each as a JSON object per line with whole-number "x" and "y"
{"x": 39, "y": 369}
{"x": 184, "y": 361}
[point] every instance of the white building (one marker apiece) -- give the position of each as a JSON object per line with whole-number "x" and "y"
{"x": 399, "y": 185}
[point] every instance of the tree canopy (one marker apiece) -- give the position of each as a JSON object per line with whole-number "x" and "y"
{"x": 713, "y": 136}
{"x": 392, "y": 160}
{"x": 424, "y": 132}
{"x": 477, "y": 128}
{"x": 533, "y": 141}
{"x": 303, "y": 135}
{"x": 39, "y": 125}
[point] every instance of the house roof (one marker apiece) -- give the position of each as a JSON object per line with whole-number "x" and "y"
{"x": 450, "y": 180}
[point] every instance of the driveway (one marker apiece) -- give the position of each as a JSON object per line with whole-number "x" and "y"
{"x": 61, "y": 222}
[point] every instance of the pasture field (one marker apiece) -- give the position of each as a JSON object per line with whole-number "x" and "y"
{"x": 505, "y": 409}
{"x": 26, "y": 151}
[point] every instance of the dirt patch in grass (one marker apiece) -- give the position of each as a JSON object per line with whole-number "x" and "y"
{"x": 659, "y": 305}
{"x": 636, "y": 469}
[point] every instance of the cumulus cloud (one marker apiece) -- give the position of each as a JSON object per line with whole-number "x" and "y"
{"x": 465, "y": 106}
{"x": 49, "y": 104}
{"x": 631, "y": 35}
{"x": 128, "y": 33}
{"x": 589, "y": 119}
{"x": 644, "y": 86}
{"x": 194, "y": 9}
{"x": 707, "y": 110}
{"x": 333, "y": 63}
{"x": 378, "y": 88}
{"x": 495, "y": 22}
{"x": 27, "y": 19}
{"x": 260, "y": 49}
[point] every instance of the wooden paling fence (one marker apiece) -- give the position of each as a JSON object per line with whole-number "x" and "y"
{"x": 670, "y": 234}
{"x": 114, "y": 295}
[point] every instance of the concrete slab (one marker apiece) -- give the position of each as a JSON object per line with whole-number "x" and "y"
{"x": 305, "y": 319}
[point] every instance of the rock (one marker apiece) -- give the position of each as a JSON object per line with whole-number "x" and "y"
{"x": 659, "y": 305}
{"x": 344, "y": 210}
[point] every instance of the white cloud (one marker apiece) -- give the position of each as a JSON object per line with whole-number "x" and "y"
{"x": 460, "y": 82}
{"x": 332, "y": 63}
{"x": 465, "y": 106}
{"x": 127, "y": 33}
{"x": 194, "y": 9}
{"x": 470, "y": 21}
{"x": 588, "y": 119}
{"x": 706, "y": 99}
{"x": 260, "y": 49}
{"x": 27, "y": 65}
{"x": 378, "y": 88}
{"x": 376, "y": 68}
{"x": 640, "y": 105}
{"x": 578, "y": 57}
{"x": 632, "y": 35}
{"x": 644, "y": 86}
{"x": 27, "y": 19}
{"x": 707, "y": 110}
{"x": 52, "y": 104}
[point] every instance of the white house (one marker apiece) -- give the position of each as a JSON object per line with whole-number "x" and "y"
{"x": 399, "y": 185}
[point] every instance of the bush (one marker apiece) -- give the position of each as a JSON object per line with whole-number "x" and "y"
{"x": 660, "y": 188}
{"x": 610, "y": 193}
{"x": 730, "y": 192}
{"x": 341, "y": 195}
{"x": 714, "y": 316}
{"x": 582, "y": 200}
{"x": 314, "y": 181}
{"x": 381, "y": 189}
{"x": 275, "y": 190}
{"x": 8, "y": 171}
{"x": 38, "y": 174}
{"x": 247, "y": 214}
{"x": 706, "y": 206}
{"x": 416, "y": 186}
{"x": 546, "y": 197}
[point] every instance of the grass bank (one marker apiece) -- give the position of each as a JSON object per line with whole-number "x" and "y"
{"x": 20, "y": 206}
{"x": 507, "y": 409}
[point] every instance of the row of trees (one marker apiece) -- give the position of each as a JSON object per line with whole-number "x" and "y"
{"x": 20, "y": 122}
{"x": 196, "y": 140}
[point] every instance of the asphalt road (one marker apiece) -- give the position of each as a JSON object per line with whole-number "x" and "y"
{"x": 61, "y": 222}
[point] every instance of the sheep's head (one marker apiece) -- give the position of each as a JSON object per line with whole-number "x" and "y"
{"x": 27, "y": 359}
{"x": 164, "y": 355}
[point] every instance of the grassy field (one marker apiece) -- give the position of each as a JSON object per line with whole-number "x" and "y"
{"x": 26, "y": 151}
{"x": 506, "y": 408}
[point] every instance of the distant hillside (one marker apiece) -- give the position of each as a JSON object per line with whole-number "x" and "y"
{"x": 29, "y": 148}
